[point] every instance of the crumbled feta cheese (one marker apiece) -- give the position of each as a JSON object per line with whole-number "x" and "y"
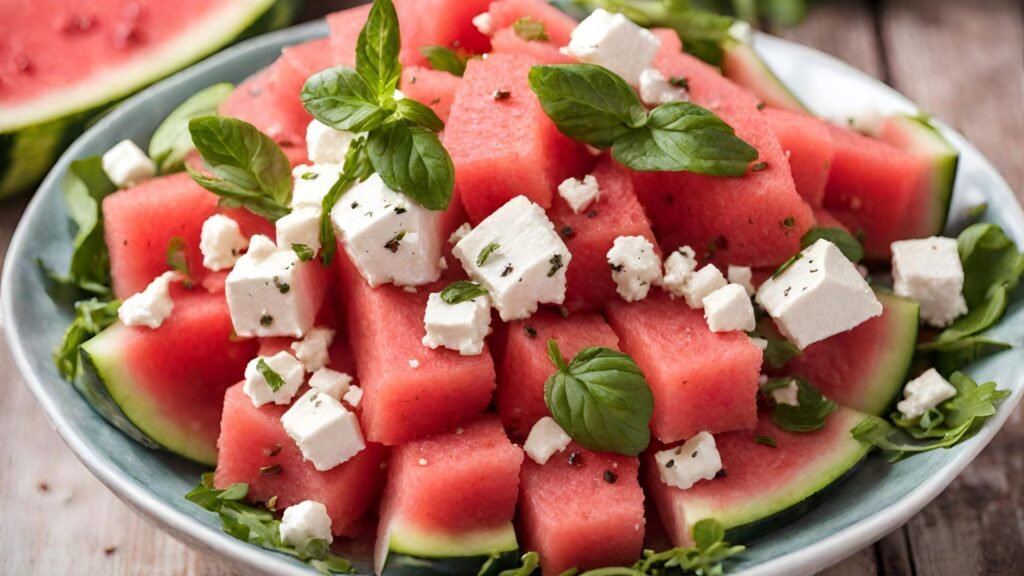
{"x": 301, "y": 226}
{"x": 270, "y": 292}
{"x": 759, "y": 342}
{"x": 460, "y": 233}
{"x": 127, "y": 165}
{"x": 579, "y": 193}
{"x": 635, "y": 267}
{"x": 460, "y": 327}
{"x": 743, "y": 276}
{"x": 284, "y": 365}
{"x": 545, "y": 438}
{"x": 331, "y": 382}
{"x": 701, "y": 283}
{"x": 414, "y": 363}
{"x": 929, "y": 271}
{"x": 683, "y": 466}
{"x": 305, "y": 522}
{"x": 325, "y": 145}
{"x": 656, "y": 90}
{"x": 788, "y": 394}
{"x": 221, "y": 241}
{"x": 818, "y": 295}
{"x": 312, "y": 183}
{"x": 150, "y": 307}
{"x": 354, "y": 396}
{"x": 923, "y": 393}
{"x": 312, "y": 350}
{"x": 728, "y": 309}
{"x": 326, "y": 433}
{"x": 678, "y": 267}
{"x": 483, "y": 23}
{"x": 528, "y": 265}
{"x": 389, "y": 237}
{"x": 613, "y": 41}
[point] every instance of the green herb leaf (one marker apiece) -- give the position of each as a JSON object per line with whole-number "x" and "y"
{"x": 785, "y": 265}
{"x": 977, "y": 211}
{"x": 377, "y": 50}
{"x": 485, "y": 253}
{"x": 305, "y": 253}
{"x": 766, "y": 440}
{"x": 779, "y": 352}
{"x": 273, "y": 379}
{"x": 955, "y": 355}
{"x": 530, "y": 29}
{"x": 812, "y": 411}
{"x": 445, "y": 59}
{"x": 705, "y": 558}
{"x": 171, "y": 142}
{"x": 419, "y": 113}
{"x": 357, "y": 168}
{"x": 601, "y": 400}
{"x": 462, "y": 291}
{"x": 527, "y": 565}
{"x": 91, "y": 317}
{"x": 177, "y": 256}
{"x": 847, "y": 244}
{"x": 249, "y": 169}
{"x": 342, "y": 99}
{"x": 411, "y": 160}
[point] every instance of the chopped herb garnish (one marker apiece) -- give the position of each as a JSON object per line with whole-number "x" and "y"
{"x": 616, "y": 267}
{"x": 789, "y": 223}
{"x": 759, "y": 166}
{"x": 977, "y": 211}
{"x": 310, "y": 176}
{"x": 507, "y": 270}
{"x": 485, "y": 253}
{"x": 272, "y": 378}
{"x": 556, "y": 264}
{"x": 766, "y": 440}
{"x": 610, "y": 477}
{"x": 680, "y": 82}
{"x": 785, "y": 265}
{"x": 530, "y": 29}
{"x": 282, "y": 287}
{"x": 305, "y": 253}
{"x": 266, "y": 320}
{"x": 393, "y": 244}
{"x": 671, "y": 463}
{"x": 462, "y": 291}
{"x": 400, "y": 210}
{"x": 272, "y": 470}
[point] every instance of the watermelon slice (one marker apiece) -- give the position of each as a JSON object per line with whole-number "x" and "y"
{"x": 764, "y": 487}
{"x": 68, "y": 61}
{"x": 276, "y": 113}
{"x": 701, "y": 380}
{"x": 742, "y": 65}
{"x": 431, "y": 87}
{"x": 583, "y": 513}
{"x": 557, "y": 24}
{"x": 297, "y": 63}
{"x": 449, "y": 503}
{"x": 169, "y": 382}
{"x": 525, "y": 365}
{"x": 506, "y": 41}
{"x": 756, "y": 220}
{"x": 808, "y": 146}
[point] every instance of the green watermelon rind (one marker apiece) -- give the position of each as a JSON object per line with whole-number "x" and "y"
{"x": 28, "y": 150}
{"x": 415, "y": 551}
{"x": 107, "y": 384}
{"x": 886, "y": 381}
{"x": 742, "y": 64}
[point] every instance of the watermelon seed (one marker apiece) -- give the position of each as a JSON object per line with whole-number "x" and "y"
{"x": 531, "y": 332}
{"x": 720, "y": 474}
{"x": 592, "y": 214}
{"x": 501, "y": 94}
{"x": 759, "y": 166}
{"x": 789, "y": 222}
{"x": 575, "y": 459}
{"x": 270, "y": 470}
{"x": 567, "y": 231}
{"x": 272, "y": 503}
{"x": 272, "y": 451}
{"x": 610, "y": 477}
{"x": 760, "y": 105}
{"x": 435, "y": 101}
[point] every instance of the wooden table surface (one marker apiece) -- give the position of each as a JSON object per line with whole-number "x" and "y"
{"x": 961, "y": 60}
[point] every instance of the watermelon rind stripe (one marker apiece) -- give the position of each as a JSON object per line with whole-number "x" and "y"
{"x": 890, "y": 373}
{"x": 742, "y": 64}
{"x": 412, "y": 550}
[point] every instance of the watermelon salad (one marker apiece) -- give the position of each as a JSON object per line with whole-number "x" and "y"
{"x": 501, "y": 291}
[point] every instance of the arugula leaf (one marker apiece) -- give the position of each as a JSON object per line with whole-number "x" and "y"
{"x": 91, "y": 317}
{"x": 273, "y": 379}
{"x": 357, "y": 168}
{"x": 847, "y": 244}
{"x": 809, "y": 415}
{"x": 419, "y": 113}
{"x": 344, "y": 100}
{"x": 600, "y": 399}
{"x": 411, "y": 159}
{"x": 249, "y": 169}
{"x": 171, "y": 142}
{"x": 377, "y": 50}
{"x": 445, "y": 59}
{"x": 177, "y": 257}
{"x": 462, "y": 291}
{"x": 530, "y": 29}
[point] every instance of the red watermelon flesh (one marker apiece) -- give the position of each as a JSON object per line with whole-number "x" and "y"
{"x": 574, "y": 518}
{"x": 431, "y": 87}
{"x": 825, "y": 219}
{"x": 345, "y": 27}
{"x": 590, "y": 234}
{"x": 503, "y": 148}
{"x": 525, "y": 365}
{"x": 557, "y": 24}
{"x": 297, "y": 63}
{"x": 277, "y": 114}
{"x": 701, "y": 380}
{"x": 252, "y": 438}
{"x": 506, "y": 41}
{"x": 808, "y": 145}
{"x": 402, "y": 402}
{"x": 741, "y": 217}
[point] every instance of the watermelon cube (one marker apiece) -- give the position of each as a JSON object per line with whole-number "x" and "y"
{"x": 755, "y": 220}
{"x": 505, "y": 147}
{"x": 701, "y": 380}
{"x": 345, "y": 26}
{"x": 583, "y": 513}
{"x": 506, "y": 41}
{"x": 525, "y": 365}
{"x": 277, "y": 114}
{"x": 431, "y": 87}
{"x": 253, "y": 440}
{"x": 557, "y": 24}
{"x": 297, "y": 63}
{"x": 807, "y": 143}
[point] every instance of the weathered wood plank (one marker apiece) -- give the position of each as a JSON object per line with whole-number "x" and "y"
{"x": 845, "y": 29}
{"x": 863, "y": 563}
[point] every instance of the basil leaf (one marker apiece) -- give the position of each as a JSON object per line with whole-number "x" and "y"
{"x": 462, "y": 291}
{"x": 342, "y": 99}
{"x": 681, "y": 136}
{"x": 445, "y": 59}
{"x": 273, "y": 379}
{"x": 587, "y": 103}
{"x": 411, "y": 160}
{"x": 811, "y": 413}
{"x": 357, "y": 168}
{"x": 601, "y": 400}
{"x": 377, "y": 50}
{"x": 419, "y": 113}
{"x": 249, "y": 169}
{"x": 91, "y": 317}
{"x": 530, "y": 29}
{"x": 847, "y": 244}
{"x": 171, "y": 142}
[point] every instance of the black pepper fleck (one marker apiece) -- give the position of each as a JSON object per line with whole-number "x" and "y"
{"x": 530, "y": 331}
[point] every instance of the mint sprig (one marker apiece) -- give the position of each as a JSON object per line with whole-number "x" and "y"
{"x": 273, "y": 379}
{"x": 462, "y": 291}
{"x": 356, "y": 168}
{"x": 445, "y": 59}
{"x": 812, "y": 410}
{"x": 91, "y": 317}
{"x": 171, "y": 142}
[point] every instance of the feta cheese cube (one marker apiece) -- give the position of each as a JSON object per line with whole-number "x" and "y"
{"x": 929, "y": 271}
{"x": 743, "y": 276}
{"x": 221, "y": 242}
{"x": 150, "y": 307}
{"x": 700, "y": 284}
{"x": 270, "y": 292}
{"x": 484, "y": 23}
{"x": 788, "y": 394}
{"x": 300, "y": 227}
{"x": 389, "y": 237}
{"x": 305, "y": 522}
{"x": 353, "y": 396}
{"x": 579, "y": 193}
{"x": 522, "y": 260}
{"x": 331, "y": 382}
{"x": 259, "y": 389}
{"x": 325, "y": 145}
{"x": 656, "y": 90}
{"x": 818, "y": 295}
{"x": 923, "y": 393}
{"x": 728, "y": 309}
{"x": 460, "y": 327}
{"x": 635, "y": 267}
{"x": 678, "y": 267}
{"x": 460, "y": 233}
{"x": 312, "y": 183}
{"x": 695, "y": 460}
{"x": 312, "y": 350}
{"x": 326, "y": 433}
{"x": 127, "y": 165}
{"x": 545, "y": 438}
{"x": 613, "y": 41}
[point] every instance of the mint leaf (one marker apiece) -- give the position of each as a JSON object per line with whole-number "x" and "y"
{"x": 177, "y": 257}
{"x": 411, "y": 160}
{"x": 171, "y": 142}
{"x": 342, "y": 99}
{"x": 249, "y": 169}
{"x": 305, "y": 253}
{"x": 445, "y": 59}
{"x": 847, "y": 244}
{"x": 462, "y": 291}
{"x": 485, "y": 253}
{"x": 91, "y": 317}
{"x": 600, "y": 399}
{"x": 779, "y": 352}
{"x": 273, "y": 379}
{"x": 530, "y": 29}
{"x": 357, "y": 168}
{"x": 811, "y": 413}
{"x": 419, "y": 113}
{"x": 377, "y": 50}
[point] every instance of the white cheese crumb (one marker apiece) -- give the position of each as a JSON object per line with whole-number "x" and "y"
{"x": 743, "y": 276}
{"x": 615, "y": 42}
{"x": 484, "y": 23}
{"x": 728, "y": 309}
{"x": 300, "y": 227}
{"x": 150, "y": 307}
{"x": 923, "y": 393}
{"x": 460, "y": 233}
{"x": 325, "y": 145}
{"x": 221, "y": 242}
{"x": 354, "y": 396}
{"x": 701, "y": 283}
{"x": 304, "y": 522}
{"x": 656, "y": 90}
{"x": 759, "y": 342}
{"x": 331, "y": 382}
{"x": 683, "y": 466}
{"x": 635, "y": 267}
{"x": 311, "y": 183}
{"x": 326, "y": 433}
{"x": 580, "y": 193}
{"x": 414, "y": 363}
{"x": 788, "y": 394}
{"x": 678, "y": 267}
{"x": 461, "y": 327}
{"x": 422, "y": 462}
{"x": 312, "y": 350}
{"x": 929, "y": 271}
{"x": 127, "y": 165}
{"x": 545, "y": 438}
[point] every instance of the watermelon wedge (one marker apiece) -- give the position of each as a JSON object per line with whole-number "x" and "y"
{"x": 742, "y": 64}
{"x": 70, "y": 61}
{"x": 506, "y": 41}
{"x": 557, "y": 24}
{"x": 807, "y": 144}
{"x": 431, "y": 87}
